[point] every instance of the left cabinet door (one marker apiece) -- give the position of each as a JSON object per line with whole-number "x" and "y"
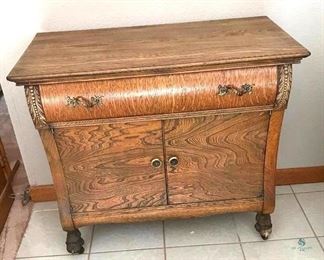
{"x": 113, "y": 166}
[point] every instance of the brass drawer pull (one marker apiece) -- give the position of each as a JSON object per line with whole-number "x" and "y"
{"x": 156, "y": 163}
{"x": 239, "y": 91}
{"x": 82, "y": 101}
{"x": 173, "y": 161}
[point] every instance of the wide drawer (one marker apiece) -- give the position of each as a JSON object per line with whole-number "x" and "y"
{"x": 159, "y": 95}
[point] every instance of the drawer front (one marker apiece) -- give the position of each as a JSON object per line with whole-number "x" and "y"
{"x": 160, "y": 94}
{"x": 219, "y": 157}
{"x": 109, "y": 166}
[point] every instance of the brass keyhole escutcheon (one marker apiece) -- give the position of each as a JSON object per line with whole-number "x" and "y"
{"x": 156, "y": 163}
{"x": 173, "y": 161}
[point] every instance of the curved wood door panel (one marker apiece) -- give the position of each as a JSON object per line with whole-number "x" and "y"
{"x": 109, "y": 166}
{"x": 220, "y": 157}
{"x": 159, "y": 95}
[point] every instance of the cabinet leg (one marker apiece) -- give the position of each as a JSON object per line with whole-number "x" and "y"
{"x": 263, "y": 225}
{"x": 74, "y": 242}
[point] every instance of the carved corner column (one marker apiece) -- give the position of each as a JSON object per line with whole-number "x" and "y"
{"x": 36, "y": 110}
{"x": 284, "y": 86}
{"x": 35, "y": 106}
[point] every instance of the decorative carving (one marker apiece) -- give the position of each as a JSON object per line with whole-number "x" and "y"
{"x": 263, "y": 225}
{"x": 284, "y": 85}
{"x": 239, "y": 91}
{"x": 34, "y": 103}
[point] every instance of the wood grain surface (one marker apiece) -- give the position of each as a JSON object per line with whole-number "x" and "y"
{"x": 287, "y": 176}
{"x": 59, "y": 179}
{"x": 220, "y": 157}
{"x": 184, "y": 211}
{"x": 160, "y": 95}
{"x": 109, "y": 166}
{"x": 162, "y": 117}
{"x": 149, "y": 50}
{"x": 270, "y": 164}
{"x": 41, "y": 193}
{"x": 300, "y": 175}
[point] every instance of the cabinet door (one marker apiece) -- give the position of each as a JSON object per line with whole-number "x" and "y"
{"x": 219, "y": 157}
{"x": 110, "y": 166}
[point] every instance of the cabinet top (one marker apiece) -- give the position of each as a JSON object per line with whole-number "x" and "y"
{"x": 158, "y": 49}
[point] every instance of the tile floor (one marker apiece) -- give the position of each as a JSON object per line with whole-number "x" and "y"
{"x": 17, "y": 221}
{"x": 298, "y": 234}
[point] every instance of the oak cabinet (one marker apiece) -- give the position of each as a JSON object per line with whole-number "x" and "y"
{"x": 220, "y": 157}
{"x": 109, "y": 166}
{"x": 157, "y": 122}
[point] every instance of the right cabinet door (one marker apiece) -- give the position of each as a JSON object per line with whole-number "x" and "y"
{"x": 215, "y": 157}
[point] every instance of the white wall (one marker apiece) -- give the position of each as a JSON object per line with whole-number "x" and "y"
{"x": 302, "y": 142}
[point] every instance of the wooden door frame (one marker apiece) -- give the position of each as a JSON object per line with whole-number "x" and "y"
{"x": 6, "y": 198}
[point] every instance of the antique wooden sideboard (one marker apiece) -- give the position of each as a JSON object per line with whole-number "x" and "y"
{"x": 165, "y": 121}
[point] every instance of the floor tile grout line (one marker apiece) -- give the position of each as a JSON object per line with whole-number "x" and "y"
{"x": 303, "y": 192}
{"x": 242, "y": 250}
{"x": 241, "y": 246}
{"x": 94, "y": 253}
{"x": 299, "y": 192}
{"x": 164, "y": 244}
{"x": 196, "y": 245}
{"x": 236, "y": 243}
{"x": 154, "y": 248}
{"x": 44, "y": 256}
{"x": 309, "y": 223}
{"x": 43, "y": 210}
{"x": 275, "y": 240}
{"x": 238, "y": 236}
{"x": 91, "y": 240}
{"x": 127, "y": 250}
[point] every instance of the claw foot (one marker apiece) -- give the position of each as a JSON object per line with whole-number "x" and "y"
{"x": 74, "y": 242}
{"x": 263, "y": 225}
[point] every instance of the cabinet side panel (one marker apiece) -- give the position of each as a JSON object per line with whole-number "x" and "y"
{"x": 271, "y": 160}
{"x": 220, "y": 157}
{"x": 58, "y": 178}
{"x": 109, "y": 166}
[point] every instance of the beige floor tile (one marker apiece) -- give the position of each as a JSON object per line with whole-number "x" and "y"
{"x": 152, "y": 254}
{"x": 285, "y": 189}
{"x": 288, "y": 221}
{"x": 44, "y": 206}
{"x": 117, "y": 237}
{"x": 17, "y": 220}
{"x": 313, "y": 205}
{"x": 60, "y": 257}
{"x": 7, "y": 135}
{"x": 44, "y": 236}
{"x": 218, "y": 229}
{"x": 294, "y": 249}
{"x": 308, "y": 187}
{"x": 3, "y": 106}
{"x": 210, "y": 252}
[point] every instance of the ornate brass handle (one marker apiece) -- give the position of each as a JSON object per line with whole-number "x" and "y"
{"x": 239, "y": 91}
{"x": 82, "y": 101}
{"x": 173, "y": 161}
